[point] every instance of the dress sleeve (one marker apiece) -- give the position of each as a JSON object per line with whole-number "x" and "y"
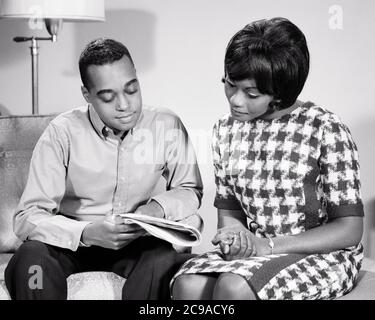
{"x": 339, "y": 172}
{"x": 225, "y": 197}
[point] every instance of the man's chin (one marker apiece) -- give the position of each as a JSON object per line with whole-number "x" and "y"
{"x": 125, "y": 125}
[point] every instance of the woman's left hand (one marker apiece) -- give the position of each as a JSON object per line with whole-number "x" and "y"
{"x": 237, "y": 242}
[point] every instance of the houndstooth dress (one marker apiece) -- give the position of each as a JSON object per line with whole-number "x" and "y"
{"x": 288, "y": 175}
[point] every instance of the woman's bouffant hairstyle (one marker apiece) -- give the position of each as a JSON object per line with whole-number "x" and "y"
{"x": 99, "y": 52}
{"x": 272, "y": 52}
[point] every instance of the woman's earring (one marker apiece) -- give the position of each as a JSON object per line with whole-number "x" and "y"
{"x": 274, "y": 105}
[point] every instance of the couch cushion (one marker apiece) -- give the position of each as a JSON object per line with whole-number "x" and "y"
{"x": 18, "y": 136}
{"x": 4, "y": 259}
{"x": 95, "y": 286}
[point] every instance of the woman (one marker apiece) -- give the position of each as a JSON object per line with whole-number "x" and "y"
{"x": 287, "y": 175}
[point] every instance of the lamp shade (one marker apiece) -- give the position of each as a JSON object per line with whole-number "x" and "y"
{"x": 68, "y": 10}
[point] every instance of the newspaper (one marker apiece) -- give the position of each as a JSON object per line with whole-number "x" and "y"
{"x": 177, "y": 233}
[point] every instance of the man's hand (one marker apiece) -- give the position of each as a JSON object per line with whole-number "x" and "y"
{"x": 237, "y": 242}
{"x": 153, "y": 209}
{"x": 111, "y": 233}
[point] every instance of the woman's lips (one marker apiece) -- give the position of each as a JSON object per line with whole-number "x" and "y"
{"x": 238, "y": 113}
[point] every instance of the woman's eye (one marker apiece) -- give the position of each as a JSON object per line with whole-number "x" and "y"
{"x": 252, "y": 96}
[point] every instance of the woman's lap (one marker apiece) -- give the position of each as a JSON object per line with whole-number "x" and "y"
{"x": 286, "y": 276}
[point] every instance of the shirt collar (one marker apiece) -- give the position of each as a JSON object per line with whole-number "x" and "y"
{"x": 97, "y": 123}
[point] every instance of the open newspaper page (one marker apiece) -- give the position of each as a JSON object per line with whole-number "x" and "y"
{"x": 177, "y": 233}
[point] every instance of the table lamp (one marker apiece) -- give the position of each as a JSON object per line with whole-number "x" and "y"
{"x": 53, "y": 13}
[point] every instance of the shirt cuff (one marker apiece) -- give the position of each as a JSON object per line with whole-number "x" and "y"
{"x": 64, "y": 234}
{"x": 160, "y": 202}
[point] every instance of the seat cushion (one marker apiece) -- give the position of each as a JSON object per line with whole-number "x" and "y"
{"x": 18, "y": 136}
{"x": 4, "y": 259}
{"x": 81, "y": 286}
{"x": 95, "y": 286}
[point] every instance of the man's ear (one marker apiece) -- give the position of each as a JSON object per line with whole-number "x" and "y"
{"x": 85, "y": 94}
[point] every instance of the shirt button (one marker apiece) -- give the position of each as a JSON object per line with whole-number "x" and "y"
{"x": 120, "y": 204}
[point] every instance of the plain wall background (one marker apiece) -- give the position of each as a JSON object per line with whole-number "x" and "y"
{"x": 178, "y": 47}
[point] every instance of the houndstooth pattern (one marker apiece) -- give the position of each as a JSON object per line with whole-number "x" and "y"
{"x": 320, "y": 276}
{"x": 288, "y": 175}
{"x": 213, "y": 262}
{"x": 267, "y": 167}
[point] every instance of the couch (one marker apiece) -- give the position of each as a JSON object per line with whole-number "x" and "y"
{"x": 18, "y": 135}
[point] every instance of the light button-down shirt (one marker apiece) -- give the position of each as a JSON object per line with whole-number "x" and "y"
{"x": 81, "y": 171}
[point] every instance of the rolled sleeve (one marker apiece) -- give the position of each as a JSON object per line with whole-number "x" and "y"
{"x": 178, "y": 204}
{"x": 184, "y": 187}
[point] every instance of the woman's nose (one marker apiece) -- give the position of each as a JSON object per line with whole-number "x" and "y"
{"x": 237, "y": 99}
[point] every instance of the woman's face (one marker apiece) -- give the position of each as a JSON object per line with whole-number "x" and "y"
{"x": 245, "y": 101}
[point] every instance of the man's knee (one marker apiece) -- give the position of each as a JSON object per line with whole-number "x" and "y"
{"x": 233, "y": 286}
{"x": 28, "y": 256}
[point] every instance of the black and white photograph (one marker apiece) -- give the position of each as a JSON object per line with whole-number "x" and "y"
{"x": 181, "y": 152}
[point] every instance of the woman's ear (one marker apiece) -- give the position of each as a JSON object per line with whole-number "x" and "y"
{"x": 275, "y": 105}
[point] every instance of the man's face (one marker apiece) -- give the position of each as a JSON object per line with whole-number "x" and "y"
{"x": 115, "y": 93}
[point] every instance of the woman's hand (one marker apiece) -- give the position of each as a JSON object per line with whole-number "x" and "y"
{"x": 237, "y": 242}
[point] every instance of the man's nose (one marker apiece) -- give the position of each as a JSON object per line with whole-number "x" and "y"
{"x": 122, "y": 103}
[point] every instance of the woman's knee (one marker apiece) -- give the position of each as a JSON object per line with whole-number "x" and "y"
{"x": 192, "y": 287}
{"x": 232, "y": 286}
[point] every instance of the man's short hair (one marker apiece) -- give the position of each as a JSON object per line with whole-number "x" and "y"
{"x": 272, "y": 52}
{"x": 99, "y": 52}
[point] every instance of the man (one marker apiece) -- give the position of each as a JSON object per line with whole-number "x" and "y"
{"x": 91, "y": 164}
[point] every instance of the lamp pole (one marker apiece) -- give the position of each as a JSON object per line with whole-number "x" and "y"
{"x": 34, "y": 51}
{"x": 34, "y": 74}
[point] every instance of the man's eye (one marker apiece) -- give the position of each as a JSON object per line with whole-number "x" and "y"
{"x": 107, "y": 99}
{"x": 131, "y": 90}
